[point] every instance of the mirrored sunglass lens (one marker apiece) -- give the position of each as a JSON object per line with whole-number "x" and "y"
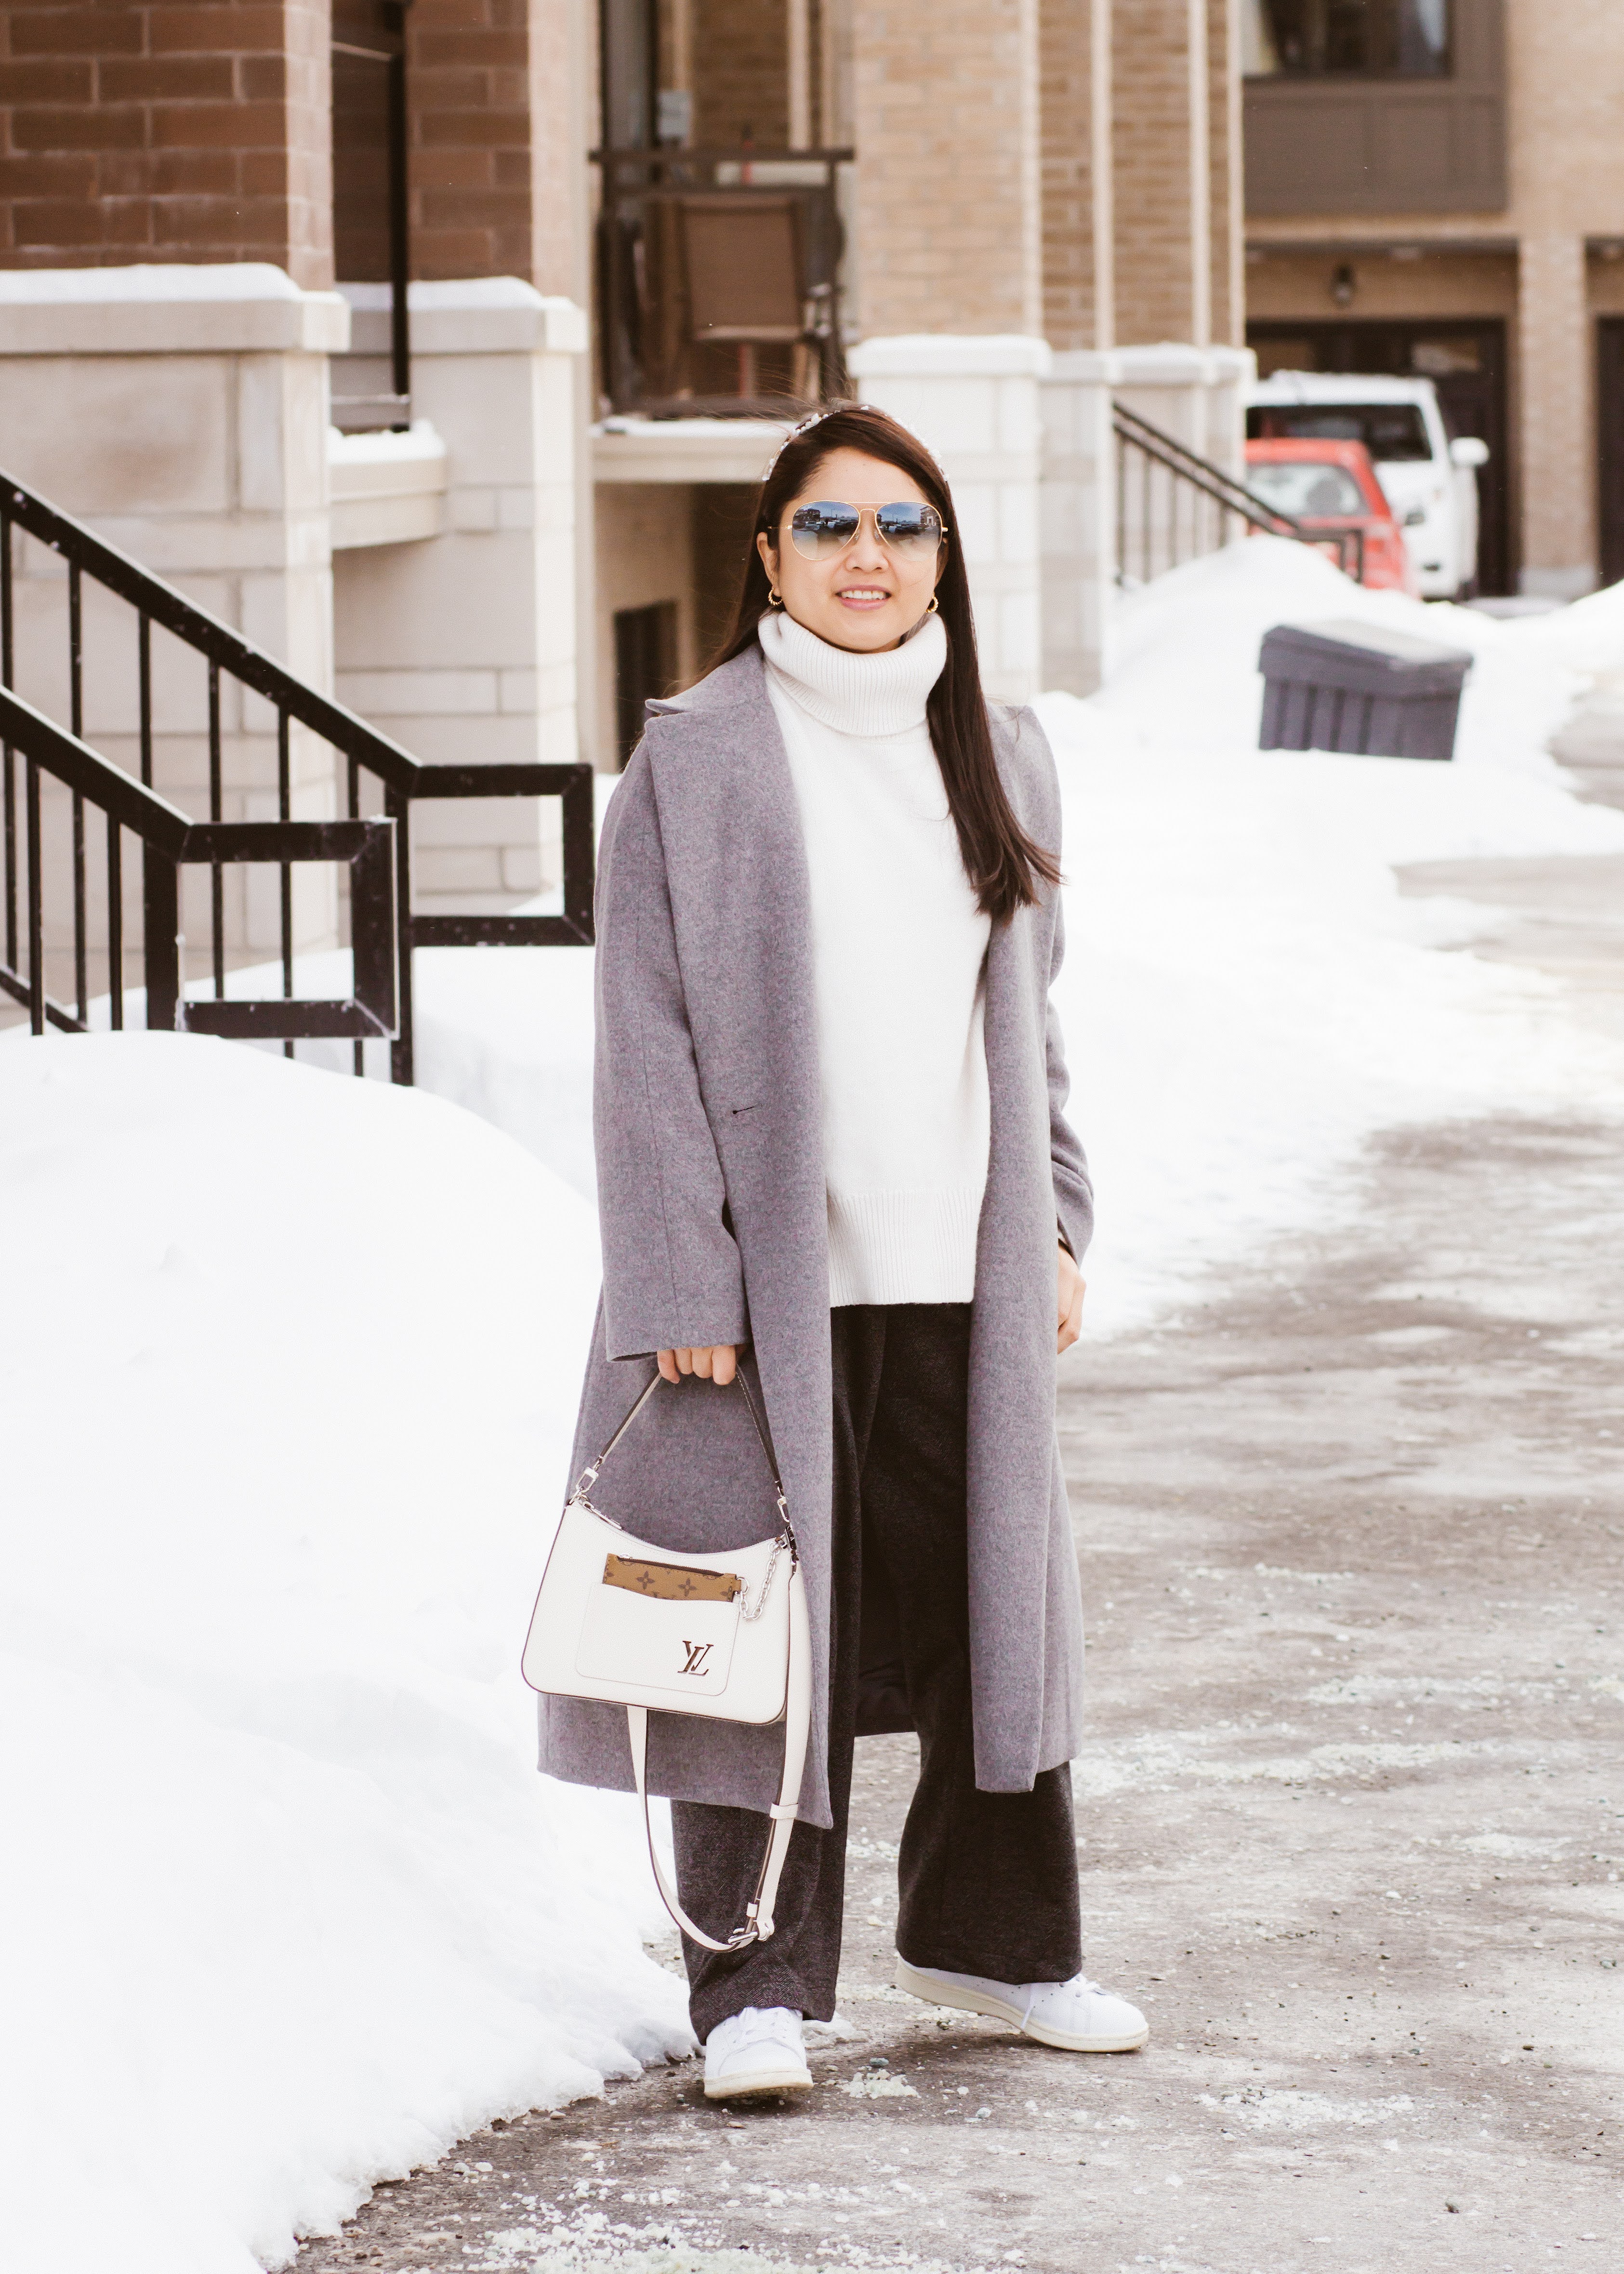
{"x": 820, "y": 528}
{"x": 909, "y": 528}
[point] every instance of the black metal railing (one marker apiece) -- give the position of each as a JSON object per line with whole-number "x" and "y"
{"x": 403, "y": 781}
{"x": 1173, "y": 504}
{"x": 169, "y": 841}
{"x": 660, "y": 353}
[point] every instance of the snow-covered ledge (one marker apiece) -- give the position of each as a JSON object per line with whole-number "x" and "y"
{"x": 387, "y": 489}
{"x": 973, "y": 400}
{"x": 167, "y": 308}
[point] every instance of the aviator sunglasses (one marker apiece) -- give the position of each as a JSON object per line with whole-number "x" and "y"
{"x": 912, "y": 532}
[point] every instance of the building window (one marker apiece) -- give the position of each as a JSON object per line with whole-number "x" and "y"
{"x": 1346, "y": 38}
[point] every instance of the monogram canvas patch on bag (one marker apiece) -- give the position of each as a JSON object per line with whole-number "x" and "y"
{"x": 671, "y": 1583}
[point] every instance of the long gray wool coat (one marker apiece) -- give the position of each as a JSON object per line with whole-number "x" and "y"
{"x": 710, "y": 1186}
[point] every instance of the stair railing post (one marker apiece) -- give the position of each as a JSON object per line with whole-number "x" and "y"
{"x": 114, "y": 926}
{"x": 402, "y": 1054}
{"x": 161, "y": 928}
{"x": 9, "y": 788}
{"x": 579, "y": 820}
{"x": 36, "y": 915}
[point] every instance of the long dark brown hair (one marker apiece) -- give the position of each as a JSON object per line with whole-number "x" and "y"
{"x": 1001, "y": 860}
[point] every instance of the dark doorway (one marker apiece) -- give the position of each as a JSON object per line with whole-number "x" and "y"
{"x": 1610, "y": 444}
{"x": 645, "y": 664}
{"x": 1466, "y": 362}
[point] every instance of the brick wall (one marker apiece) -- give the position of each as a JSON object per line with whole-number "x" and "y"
{"x": 166, "y": 133}
{"x": 947, "y": 135}
{"x": 468, "y": 92}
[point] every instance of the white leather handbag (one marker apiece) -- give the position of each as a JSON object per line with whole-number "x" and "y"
{"x": 724, "y": 1636}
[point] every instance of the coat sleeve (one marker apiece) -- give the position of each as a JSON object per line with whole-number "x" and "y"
{"x": 1073, "y": 1187}
{"x": 673, "y": 1277}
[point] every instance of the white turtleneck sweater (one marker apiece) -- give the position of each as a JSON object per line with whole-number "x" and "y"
{"x": 898, "y": 947}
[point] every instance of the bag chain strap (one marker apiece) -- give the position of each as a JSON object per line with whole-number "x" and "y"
{"x": 590, "y": 1475}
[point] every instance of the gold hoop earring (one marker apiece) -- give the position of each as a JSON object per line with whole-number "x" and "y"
{"x": 775, "y": 598}
{"x": 931, "y": 610}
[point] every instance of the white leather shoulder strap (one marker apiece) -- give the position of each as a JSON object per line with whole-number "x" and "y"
{"x": 759, "y": 1919}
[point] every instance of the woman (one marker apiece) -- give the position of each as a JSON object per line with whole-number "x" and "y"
{"x": 831, "y": 1150}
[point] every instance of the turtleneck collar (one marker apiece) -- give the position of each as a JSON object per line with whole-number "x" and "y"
{"x": 880, "y": 694}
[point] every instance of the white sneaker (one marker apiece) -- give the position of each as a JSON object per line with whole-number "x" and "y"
{"x": 1077, "y": 2015}
{"x": 761, "y": 2049}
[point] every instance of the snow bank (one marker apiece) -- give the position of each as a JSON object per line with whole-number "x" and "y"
{"x": 1184, "y": 673}
{"x": 288, "y": 1367}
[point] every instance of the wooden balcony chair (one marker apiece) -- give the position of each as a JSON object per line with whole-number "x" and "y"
{"x": 745, "y": 288}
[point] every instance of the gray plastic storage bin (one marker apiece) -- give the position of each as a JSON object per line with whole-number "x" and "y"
{"x": 1348, "y": 686}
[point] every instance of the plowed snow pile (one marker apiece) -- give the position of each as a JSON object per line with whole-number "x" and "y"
{"x": 288, "y": 1367}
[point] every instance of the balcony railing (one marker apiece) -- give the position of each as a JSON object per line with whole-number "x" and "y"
{"x": 718, "y": 281}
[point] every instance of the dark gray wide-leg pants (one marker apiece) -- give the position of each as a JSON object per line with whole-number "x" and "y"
{"x": 987, "y": 1881}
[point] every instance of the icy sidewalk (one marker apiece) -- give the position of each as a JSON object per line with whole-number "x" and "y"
{"x": 287, "y": 1367}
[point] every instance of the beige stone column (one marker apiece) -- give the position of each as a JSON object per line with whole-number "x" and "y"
{"x": 1556, "y": 351}
{"x": 948, "y": 220}
{"x": 1077, "y": 519}
{"x": 974, "y": 402}
{"x": 463, "y": 646}
{"x": 182, "y": 412}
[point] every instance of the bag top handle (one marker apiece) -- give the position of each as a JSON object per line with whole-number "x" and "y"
{"x": 590, "y": 1475}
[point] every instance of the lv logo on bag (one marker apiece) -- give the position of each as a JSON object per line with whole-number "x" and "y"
{"x": 698, "y": 1654}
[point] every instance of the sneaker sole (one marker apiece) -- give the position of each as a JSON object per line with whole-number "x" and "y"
{"x": 758, "y": 2082}
{"x": 972, "y": 2001}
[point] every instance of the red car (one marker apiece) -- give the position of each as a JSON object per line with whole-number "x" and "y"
{"x": 1331, "y": 488}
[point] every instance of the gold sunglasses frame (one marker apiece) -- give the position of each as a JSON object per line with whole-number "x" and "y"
{"x": 872, "y": 512}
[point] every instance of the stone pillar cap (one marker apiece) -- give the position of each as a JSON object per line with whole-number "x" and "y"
{"x": 477, "y": 315}
{"x": 167, "y": 308}
{"x": 1176, "y": 363}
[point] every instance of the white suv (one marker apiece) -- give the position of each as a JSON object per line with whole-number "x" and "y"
{"x": 1430, "y": 482}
